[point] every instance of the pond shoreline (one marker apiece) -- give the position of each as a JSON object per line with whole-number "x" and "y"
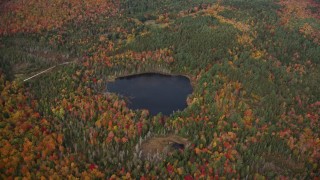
{"x": 157, "y": 92}
{"x": 113, "y": 78}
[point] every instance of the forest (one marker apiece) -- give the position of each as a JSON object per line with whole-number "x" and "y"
{"x": 253, "y": 113}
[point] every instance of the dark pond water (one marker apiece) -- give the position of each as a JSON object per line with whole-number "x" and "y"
{"x": 155, "y": 92}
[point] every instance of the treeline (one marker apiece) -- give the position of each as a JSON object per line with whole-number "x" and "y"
{"x": 255, "y": 99}
{"x": 147, "y": 9}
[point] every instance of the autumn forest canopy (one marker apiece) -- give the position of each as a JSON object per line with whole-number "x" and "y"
{"x": 254, "y": 111}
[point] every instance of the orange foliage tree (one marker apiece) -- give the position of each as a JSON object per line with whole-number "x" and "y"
{"x": 34, "y": 16}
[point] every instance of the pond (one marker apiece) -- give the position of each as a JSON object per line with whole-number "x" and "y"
{"x": 157, "y": 93}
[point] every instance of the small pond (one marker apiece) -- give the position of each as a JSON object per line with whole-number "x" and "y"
{"x": 156, "y": 92}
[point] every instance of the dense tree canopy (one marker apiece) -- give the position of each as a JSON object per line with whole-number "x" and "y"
{"x": 254, "y": 67}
